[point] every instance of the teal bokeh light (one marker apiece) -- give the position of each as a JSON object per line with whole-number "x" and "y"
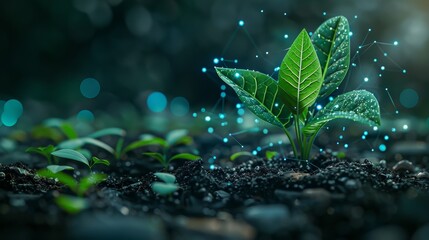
{"x": 90, "y": 88}
{"x": 179, "y": 106}
{"x": 11, "y": 112}
{"x": 156, "y": 102}
{"x": 85, "y": 115}
{"x": 409, "y": 98}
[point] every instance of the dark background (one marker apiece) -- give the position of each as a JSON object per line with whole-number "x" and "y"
{"x": 134, "y": 46}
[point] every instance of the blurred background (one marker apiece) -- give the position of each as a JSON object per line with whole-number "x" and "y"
{"x": 92, "y": 54}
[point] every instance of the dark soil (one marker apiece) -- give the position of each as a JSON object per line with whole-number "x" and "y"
{"x": 326, "y": 198}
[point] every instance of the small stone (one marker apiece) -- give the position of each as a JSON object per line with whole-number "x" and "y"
{"x": 222, "y": 194}
{"x": 2, "y": 175}
{"x": 382, "y": 163}
{"x": 403, "y": 166}
{"x": 296, "y": 175}
{"x": 423, "y": 175}
{"x": 352, "y": 184}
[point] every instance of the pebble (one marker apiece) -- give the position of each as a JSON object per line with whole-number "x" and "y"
{"x": 402, "y": 166}
{"x": 423, "y": 175}
{"x": 268, "y": 218}
{"x": 383, "y": 163}
{"x": 352, "y": 184}
{"x": 2, "y": 175}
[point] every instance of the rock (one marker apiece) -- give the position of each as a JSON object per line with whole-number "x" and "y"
{"x": 296, "y": 175}
{"x": 106, "y": 226}
{"x": 287, "y": 195}
{"x": 316, "y": 193}
{"x": 2, "y": 175}
{"x": 212, "y": 229}
{"x": 403, "y": 166}
{"x": 422, "y": 175}
{"x": 268, "y": 218}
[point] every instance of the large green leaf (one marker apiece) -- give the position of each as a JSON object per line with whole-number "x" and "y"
{"x": 360, "y": 106}
{"x": 79, "y": 142}
{"x": 259, "y": 93}
{"x": 332, "y": 43}
{"x": 300, "y": 75}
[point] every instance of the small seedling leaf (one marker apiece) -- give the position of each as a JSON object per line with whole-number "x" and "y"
{"x": 72, "y": 155}
{"x": 259, "y": 93}
{"x": 44, "y": 151}
{"x": 186, "y": 156}
{"x": 108, "y": 131}
{"x": 90, "y": 181}
{"x": 359, "y": 105}
{"x": 166, "y": 177}
{"x": 79, "y": 142}
{"x": 58, "y": 168}
{"x": 240, "y": 154}
{"x": 62, "y": 178}
{"x": 164, "y": 188}
{"x": 300, "y": 75}
{"x": 332, "y": 44}
{"x": 157, "y": 156}
{"x": 100, "y": 144}
{"x": 71, "y": 204}
{"x": 96, "y": 160}
{"x": 174, "y": 136}
{"x": 271, "y": 154}
{"x": 143, "y": 143}
{"x": 68, "y": 130}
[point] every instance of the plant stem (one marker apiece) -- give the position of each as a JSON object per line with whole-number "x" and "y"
{"x": 295, "y": 152}
{"x": 298, "y": 135}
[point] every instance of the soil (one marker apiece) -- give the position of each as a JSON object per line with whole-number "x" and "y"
{"x": 282, "y": 198}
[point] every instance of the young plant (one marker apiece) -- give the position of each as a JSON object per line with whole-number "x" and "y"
{"x": 44, "y": 151}
{"x": 79, "y": 157}
{"x": 167, "y": 187}
{"x": 311, "y": 71}
{"x": 173, "y": 138}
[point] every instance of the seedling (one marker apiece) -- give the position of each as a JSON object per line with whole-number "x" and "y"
{"x": 271, "y": 154}
{"x": 174, "y": 138}
{"x": 79, "y": 157}
{"x": 311, "y": 71}
{"x": 44, "y": 151}
{"x": 167, "y": 187}
{"x": 240, "y": 154}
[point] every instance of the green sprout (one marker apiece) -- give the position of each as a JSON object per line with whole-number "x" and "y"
{"x": 173, "y": 138}
{"x": 43, "y": 151}
{"x": 312, "y": 70}
{"x": 79, "y": 157}
{"x": 167, "y": 187}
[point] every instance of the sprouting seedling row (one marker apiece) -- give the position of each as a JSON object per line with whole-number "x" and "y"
{"x": 312, "y": 70}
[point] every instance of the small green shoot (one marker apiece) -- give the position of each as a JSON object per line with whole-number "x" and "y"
{"x": 79, "y": 157}
{"x": 312, "y": 70}
{"x": 240, "y": 154}
{"x": 71, "y": 204}
{"x": 44, "y": 151}
{"x": 165, "y": 161}
{"x": 167, "y": 187}
{"x": 58, "y": 168}
{"x": 271, "y": 154}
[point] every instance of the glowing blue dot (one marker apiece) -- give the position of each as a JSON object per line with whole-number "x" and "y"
{"x": 194, "y": 115}
{"x": 216, "y": 61}
{"x": 240, "y": 120}
{"x": 85, "y": 115}
{"x": 393, "y": 129}
{"x": 157, "y": 102}
{"x": 222, "y": 94}
{"x": 405, "y": 127}
{"x": 237, "y": 75}
{"x": 341, "y": 137}
{"x": 346, "y": 145}
{"x": 207, "y": 118}
{"x": 223, "y": 87}
{"x": 12, "y": 111}
{"x": 385, "y": 54}
{"x": 258, "y": 149}
{"x": 265, "y": 131}
{"x": 235, "y": 60}
{"x": 225, "y": 140}
{"x": 221, "y": 115}
{"x": 203, "y": 69}
{"x": 256, "y": 120}
{"x": 240, "y": 111}
{"x": 404, "y": 71}
{"x": 386, "y": 137}
{"x": 212, "y": 167}
{"x": 276, "y": 105}
{"x": 409, "y": 98}
{"x": 90, "y": 88}
{"x": 324, "y": 13}
{"x": 254, "y": 152}
{"x": 382, "y": 68}
{"x": 238, "y": 105}
{"x": 366, "y": 79}
{"x": 395, "y": 43}
{"x": 365, "y": 133}
{"x": 276, "y": 69}
{"x": 319, "y": 107}
{"x": 179, "y": 106}
{"x": 363, "y": 137}
{"x": 331, "y": 99}
{"x": 223, "y": 124}
{"x": 350, "y": 33}
{"x": 241, "y": 23}
{"x": 221, "y": 58}
{"x": 210, "y": 130}
{"x": 382, "y": 147}
{"x": 356, "y": 16}
{"x": 203, "y": 110}
{"x": 286, "y": 36}
{"x": 375, "y": 128}
{"x": 375, "y": 60}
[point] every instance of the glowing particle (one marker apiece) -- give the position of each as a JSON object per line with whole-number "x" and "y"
{"x": 346, "y": 145}
{"x": 386, "y": 137}
{"x": 319, "y": 107}
{"x": 365, "y": 133}
{"x": 254, "y": 152}
{"x": 238, "y": 105}
{"x": 256, "y": 120}
{"x": 221, "y": 115}
{"x": 156, "y": 102}
{"x": 240, "y": 111}
{"x": 324, "y": 13}
{"x": 194, "y": 115}
{"x": 405, "y": 127}
{"x": 404, "y": 71}
{"x": 237, "y": 75}
{"x": 375, "y": 60}
{"x": 363, "y": 137}
{"x": 382, "y": 147}
{"x": 12, "y": 111}
{"x": 203, "y": 110}
{"x": 222, "y": 87}
{"x": 207, "y": 118}
{"x": 331, "y": 99}
{"x": 369, "y": 29}
{"x": 222, "y": 94}
{"x": 212, "y": 167}
{"x": 90, "y": 87}
{"x": 350, "y": 33}
{"x": 366, "y": 79}
{"x": 225, "y": 140}
{"x": 286, "y": 36}
{"x": 356, "y": 16}
{"x": 235, "y": 60}
{"x": 216, "y": 60}
{"x": 85, "y": 115}
{"x": 266, "y": 53}
{"x": 265, "y": 131}
{"x": 395, "y": 43}
{"x": 385, "y": 54}
{"x": 382, "y": 68}
{"x": 240, "y": 120}
{"x": 276, "y": 105}
{"x": 276, "y": 69}
{"x": 393, "y": 129}
{"x": 375, "y": 128}
{"x": 258, "y": 149}
{"x": 179, "y": 106}
{"x": 341, "y": 137}
{"x": 241, "y": 23}
{"x": 262, "y": 10}
{"x": 203, "y": 69}
{"x": 210, "y": 130}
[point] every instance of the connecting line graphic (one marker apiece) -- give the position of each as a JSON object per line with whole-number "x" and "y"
{"x": 391, "y": 100}
{"x": 236, "y": 140}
